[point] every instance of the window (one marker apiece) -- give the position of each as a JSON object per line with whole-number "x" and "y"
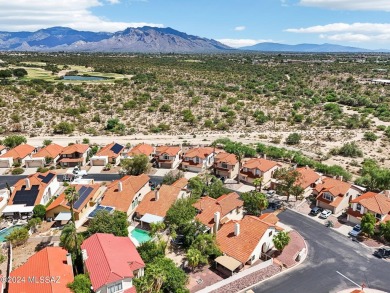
{"x": 258, "y": 172}
{"x": 270, "y": 234}
{"x": 378, "y": 216}
{"x": 245, "y": 169}
{"x": 224, "y": 165}
{"x": 327, "y": 196}
{"x": 115, "y": 288}
{"x": 166, "y": 157}
{"x": 358, "y": 206}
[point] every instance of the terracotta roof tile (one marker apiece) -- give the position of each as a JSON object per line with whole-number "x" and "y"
{"x": 2, "y": 147}
{"x": 49, "y": 262}
{"x": 308, "y": 177}
{"x": 110, "y": 259}
{"x": 142, "y": 148}
{"x": 227, "y": 158}
{"x": 169, "y": 150}
{"x": 130, "y": 187}
{"x": 52, "y": 151}
{"x": 19, "y": 152}
{"x": 199, "y": 152}
{"x": 79, "y": 148}
{"x": 107, "y": 151}
{"x": 375, "y": 202}
{"x": 259, "y": 163}
{"x": 168, "y": 194}
{"x": 334, "y": 186}
{"x": 270, "y": 218}
{"x": 241, "y": 247}
{"x": 224, "y": 204}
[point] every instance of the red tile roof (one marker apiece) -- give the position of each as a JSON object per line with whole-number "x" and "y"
{"x": 334, "y": 186}
{"x": 168, "y": 194}
{"x": 130, "y": 187}
{"x": 242, "y": 246}
{"x": 199, "y": 152}
{"x": 2, "y": 147}
{"x": 224, "y": 204}
{"x": 375, "y": 202}
{"x": 110, "y": 259}
{"x": 79, "y": 148}
{"x": 19, "y": 152}
{"x": 227, "y": 158}
{"x": 106, "y": 151}
{"x": 169, "y": 150}
{"x": 308, "y": 177}
{"x": 49, "y": 262}
{"x": 35, "y": 180}
{"x": 52, "y": 151}
{"x": 270, "y": 218}
{"x": 259, "y": 163}
{"x": 142, "y": 148}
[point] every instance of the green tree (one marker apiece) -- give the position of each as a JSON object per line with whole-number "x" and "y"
{"x": 39, "y": 211}
{"x": 257, "y": 183}
{"x": 104, "y": 222}
{"x": 384, "y": 230}
{"x": 14, "y": 140}
{"x": 207, "y": 245}
{"x": 181, "y": 212}
{"x": 368, "y": 224}
{"x": 350, "y": 149}
{"x": 80, "y": 284}
{"x": 281, "y": 240}
{"x": 150, "y": 250}
{"x": 137, "y": 165}
{"x": 254, "y": 202}
{"x": 374, "y": 177}
{"x": 64, "y": 128}
{"x": 370, "y": 136}
{"x": 33, "y": 223}
{"x": 68, "y": 238}
{"x": 19, "y": 72}
{"x": 5, "y": 74}
{"x": 18, "y": 236}
{"x": 195, "y": 258}
{"x": 171, "y": 177}
{"x": 47, "y": 142}
{"x": 240, "y": 151}
{"x": 156, "y": 228}
{"x": 293, "y": 138}
{"x": 286, "y": 182}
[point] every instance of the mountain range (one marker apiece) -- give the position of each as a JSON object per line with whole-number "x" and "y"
{"x": 144, "y": 39}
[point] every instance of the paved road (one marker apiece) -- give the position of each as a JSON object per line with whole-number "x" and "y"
{"x": 12, "y": 179}
{"x": 329, "y": 253}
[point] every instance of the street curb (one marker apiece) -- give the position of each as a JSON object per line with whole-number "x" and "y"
{"x": 281, "y": 272}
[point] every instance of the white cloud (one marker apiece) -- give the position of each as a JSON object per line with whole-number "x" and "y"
{"x": 356, "y": 38}
{"x": 240, "y": 28}
{"x": 27, "y": 15}
{"x": 237, "y": 43}
{"x": 378, "y": 5}
{"x": 113, "y": 1}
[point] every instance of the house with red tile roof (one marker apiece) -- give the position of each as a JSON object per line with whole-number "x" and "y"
{"x": 168, "y": 156}
{"x": 198, "y": 159}
{"x": 377, "y": 204}
{"x": 244, "y": 241}
{"x": 126, "y": 193}
{"x": 158, "y": 202}
{"x": 112, "y": 263}
{"x": 45, "y": 156}
{"x": 141, "y": 149}
{"x": 49, "y": 270}
{"x": 88, "y": 196}
{"x": 3, "y": 150}
{"x": 74, "y": 155}
{"x": 213, "y": 213}
{"x": 110, "y": 154}
{"x": 17, "y": 155}
{"x": 335, "y": 195}
{"x": 308, "y": 180}
{"x": 35, "y": 189}
{"x": 226, "y": 165}
{"x": 258, "y": 168}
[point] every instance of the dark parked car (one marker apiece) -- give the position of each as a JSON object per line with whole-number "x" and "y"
{"x": 382, "y": 253}
{"x": 315, "y": 211}
{"x": 275, "y": 205}
{"x": 179, "y": 240}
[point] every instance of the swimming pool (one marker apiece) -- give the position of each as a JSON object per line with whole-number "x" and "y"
{"x": 140, "y": 235}
{"x": 7, "y": 231}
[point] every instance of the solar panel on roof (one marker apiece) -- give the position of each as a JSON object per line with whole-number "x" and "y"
{"x": 116, "y": 148}
{"x": 84, "y": 193}
{"x": 27, "y": 197}
{"x": 41, "y": 176}
{"x": 98, "y": 209}
{"x": 48, "y": 178}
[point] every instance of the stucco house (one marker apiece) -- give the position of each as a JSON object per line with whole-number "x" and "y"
{"x": 213, "y": 213}
{"x": 335, "y": 195}
{"x": 226, "y": 165}
{"x": 112, "y": 263}
{"x": 198, "y": 159}
{"x": 168, "y": 156}
{"x": 126, "y": 193}
{"x": 110, "y": 154}
{"x": 74, "y": 155}
{"x": 44, "y": 156}
{"x": 141, "y": 149}
{"x": 258, "y": 168}
{"x": 3, "y": 150}
{"x": 17, "y": 155}
{"x": 377, "y": 204}
{"x": 308, "y": 180}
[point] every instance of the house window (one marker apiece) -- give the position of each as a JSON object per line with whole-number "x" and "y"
{"x": 253, "y": 257}
{"x": 224, "y": 165}
{"x": 258, "y": 172}
{"x": 115, "y": 288}
{"x": 270, "y": 234}
{"x": 358, "y": 206}
{"x": 378, "y": 216}
{"x": 327, "y": 196}
{"x": 245, "y": 169}
{"x": 166, "y": 157}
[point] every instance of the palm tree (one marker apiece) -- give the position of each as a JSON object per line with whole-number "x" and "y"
{"x": 72, "y": 195}
{"x": 195, "y": 258}
{"x": 258, "y": 183}
{"x": 68, "y": 237}
{"x": 262, "y": 202}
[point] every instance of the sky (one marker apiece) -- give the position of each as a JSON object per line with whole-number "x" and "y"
{"x": 237, "y": 23}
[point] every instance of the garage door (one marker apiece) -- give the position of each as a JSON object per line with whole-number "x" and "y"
{"x": 99, "y": 162}
{"x": 4, "y": 164}
{"x": 34, "y": 164}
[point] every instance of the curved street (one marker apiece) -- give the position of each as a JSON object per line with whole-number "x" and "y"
{"x": 331, "y": 259}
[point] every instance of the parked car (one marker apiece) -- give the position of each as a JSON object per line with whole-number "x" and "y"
{"x": 325, "y": 214}
{"x": 275, "y": 205}
{"x": 355, "y": 231}
{"x": 179, "y": 240}
{"x": 78, "y": 171}
{"x": 315, "y": 211}
{"x": 271, "y": 192}
{"x": 382, "y": 253}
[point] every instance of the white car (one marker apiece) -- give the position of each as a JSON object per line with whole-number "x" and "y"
{"x": 355, "y": 231}
{"x": 325, "y": 214}
{"x": 79, "y": 172}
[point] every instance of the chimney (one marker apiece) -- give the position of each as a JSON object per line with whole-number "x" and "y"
{"x": 307, "y": 167}
{"x": 69, "y": 259}
{"x": 217, "y": 218}
{"x": 341, "y": 178}
{"x": 28, "y": 184}
{"x": 387, "y": 193}
{"x": 265, "y": 156}
{"x": 236, "y": 229}
{"x": 84, "y": 254}
{"x": 120, "y": 186}
{"x": 156, "y": 194}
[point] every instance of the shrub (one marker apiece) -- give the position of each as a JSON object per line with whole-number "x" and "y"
{"x": 39, "y": 211}
{"x": 293, "y": 138}
{"x": 18, "y": 236}
{"x": 370, "y": 136}
{"x": 64, "y": 128}
{"x": 17, "y": 171}
{"x": 350, "y": 149}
